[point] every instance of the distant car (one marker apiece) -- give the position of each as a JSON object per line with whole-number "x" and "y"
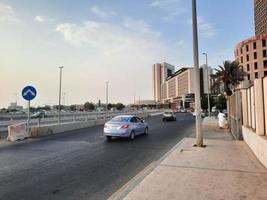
{"x": 202, "y": 114}
{"x": 39, "y": 114}
{"x": 126, "y": 126}
{"x": 183, "y": 110}
{"x": 168, "y": 116}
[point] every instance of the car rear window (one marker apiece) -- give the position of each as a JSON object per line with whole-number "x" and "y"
{"x": 120, "y": 119}
{"x": 168, "y": 113}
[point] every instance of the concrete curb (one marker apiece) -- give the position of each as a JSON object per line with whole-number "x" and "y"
{"x": 129, "y": 186}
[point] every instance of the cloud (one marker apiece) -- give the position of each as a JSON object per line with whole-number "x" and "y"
{"x": 173, "y": 8}
{"x": 6, "y": 9}
{"x": 42, "y": 19}
{"x": 7, "y": 14}
{"x": 39, "y": 19}
{"x": 205, "y": 28}
{"x": 127, "y": 38}
{"x": 102, "y": 13}
{"x": 139, "y": 26}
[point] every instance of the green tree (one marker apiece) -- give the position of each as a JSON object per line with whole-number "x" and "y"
{"x": 204, "y": 102}
{"x": 109, "y": 106}
{"x": 89, "y": 106}
{"x": 120, "y": 106}
{"x": 221, "y": 102}
{"x": 73, "y": 108}
{"x": 230, "y": 75}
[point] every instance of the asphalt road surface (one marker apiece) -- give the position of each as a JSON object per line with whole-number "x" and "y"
{"x": 82, "y": 164}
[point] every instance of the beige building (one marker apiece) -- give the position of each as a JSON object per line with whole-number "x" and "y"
{"x": 260, "y": 16}
{"x": 173, "y": 88}
{"x": 251, "y": 53}
{"x": 160, "y": 73}
{"x": 252, "y": 56}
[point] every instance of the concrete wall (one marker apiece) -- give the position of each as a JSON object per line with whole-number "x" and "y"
{"x": 254, "y": 104}
{"x": 60, "y": 128}
{"x": 258, "y": 144}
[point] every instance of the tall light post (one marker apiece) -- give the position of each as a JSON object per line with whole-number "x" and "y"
{"x": 59, "y": 96}
{"x": 208, "y": 81}
{"x": 107, "y": 95}
{"x": 197, "y": 76}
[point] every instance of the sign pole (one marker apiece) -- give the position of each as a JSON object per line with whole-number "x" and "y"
{"x": 29, "y": 93}
{"x": 29, "y": 118}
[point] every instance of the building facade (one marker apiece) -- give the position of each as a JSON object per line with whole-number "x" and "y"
{"x": 160, "y": 73}
{"x": 177, "y": 88}
{"x": 251, "y": 53}
{"x": 252, "y": 56}
{"x": 260, "y": 16}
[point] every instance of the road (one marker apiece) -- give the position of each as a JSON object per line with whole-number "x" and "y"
{"x": 82, "y": 164}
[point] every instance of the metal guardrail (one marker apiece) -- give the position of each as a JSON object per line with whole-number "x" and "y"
{"x": 72, "y": 117}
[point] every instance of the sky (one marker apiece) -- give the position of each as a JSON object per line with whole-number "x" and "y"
{"x": 103, "y": 40}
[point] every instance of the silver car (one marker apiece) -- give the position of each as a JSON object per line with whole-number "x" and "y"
{"x": 168, "y": 115}
{"x": 127, "y": 126}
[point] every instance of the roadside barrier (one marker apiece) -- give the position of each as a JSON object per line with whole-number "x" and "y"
{"x": 17, "y": 132}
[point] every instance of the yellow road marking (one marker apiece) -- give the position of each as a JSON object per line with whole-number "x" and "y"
{"x": 127, "y": 184}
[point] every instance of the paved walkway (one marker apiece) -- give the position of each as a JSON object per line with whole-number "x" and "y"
{"x": 225, "y": 169}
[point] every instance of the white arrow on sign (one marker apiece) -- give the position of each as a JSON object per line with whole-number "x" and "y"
{"x": 27, "y": 92}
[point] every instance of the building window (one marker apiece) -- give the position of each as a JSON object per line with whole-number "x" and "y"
{"x": 247, "y": 48}
{"x": 248, "y": 77}
{"x": 264, "y": 53}
{"x": 265, "y": 73}
{"x": 254, "y": 45}
{"x": 265, "y": 63}
{"x": 255, "y": 65}
{"x": 248, "y": 67}
{"x": 241, "y": 59}
{"x": 255, "y": 55}
{"x": 247, "y": 57}
{"x": 241, "y": 51}
{"x": 256, "y": 75}
{"x": 263, "y": 43}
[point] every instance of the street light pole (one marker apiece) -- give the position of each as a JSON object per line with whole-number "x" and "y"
{"x": 197, "y": 76}
{"x": 208, "y": 81}
{"x": 107, "y": 95}
{"x": 59, "y": 96}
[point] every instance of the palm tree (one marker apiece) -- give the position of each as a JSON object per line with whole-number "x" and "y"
{"x": 230, "y": 75}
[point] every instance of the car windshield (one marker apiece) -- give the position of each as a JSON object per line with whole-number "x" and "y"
{"x": 120, "y": 119}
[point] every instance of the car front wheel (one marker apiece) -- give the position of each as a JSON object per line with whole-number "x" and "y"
{"x": 146, "y": 131}
{"x": 132, "y": 135}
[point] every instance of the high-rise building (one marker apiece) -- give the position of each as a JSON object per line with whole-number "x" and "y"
{"x": 251, "y": 53}
{"x": 177, "y": 88}
{"x": 260, "y": 16}
{"x": 160, "y": 73}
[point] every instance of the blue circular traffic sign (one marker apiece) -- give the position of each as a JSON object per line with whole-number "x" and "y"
{"x": 29, "y": 93}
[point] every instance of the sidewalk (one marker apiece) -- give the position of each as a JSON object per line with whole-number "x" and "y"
{"x": 225, "y": 169}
